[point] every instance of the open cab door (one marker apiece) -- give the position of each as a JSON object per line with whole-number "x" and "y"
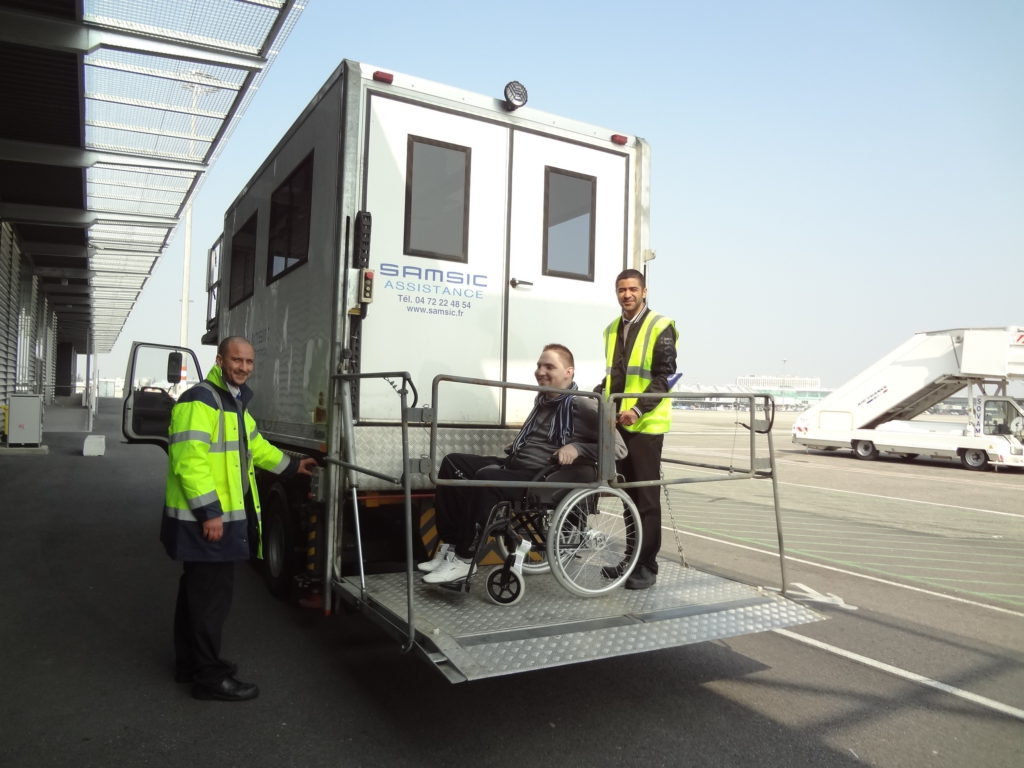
{"x": 157, "y": 375}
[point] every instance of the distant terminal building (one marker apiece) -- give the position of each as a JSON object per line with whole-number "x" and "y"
{"x": 795, "y": 393}
{"x": 781, "y": 383}
{"x": 790, "y": 392}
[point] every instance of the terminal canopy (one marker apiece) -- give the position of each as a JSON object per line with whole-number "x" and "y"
{"x": 112, "y": 112}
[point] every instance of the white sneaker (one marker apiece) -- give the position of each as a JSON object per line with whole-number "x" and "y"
{"x": 429, "y": 565}
{"x": 452, "y": 569}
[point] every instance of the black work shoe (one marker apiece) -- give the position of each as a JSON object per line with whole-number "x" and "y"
{"x": 228, "y": 689}
{"x": 614, "y": 571}
{"x": 183, "y": 673}
{"x": 642, "y": 577}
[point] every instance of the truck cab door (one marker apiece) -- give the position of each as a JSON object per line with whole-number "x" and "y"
{"x": 157, "y": 375}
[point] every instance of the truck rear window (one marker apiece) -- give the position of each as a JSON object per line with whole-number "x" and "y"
{"x": 569, "y": 219}
{"x": 437, "y": 199}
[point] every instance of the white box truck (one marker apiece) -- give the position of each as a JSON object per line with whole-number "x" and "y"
{"x": 875, "y": 411}
{"x": 400, "y": 231}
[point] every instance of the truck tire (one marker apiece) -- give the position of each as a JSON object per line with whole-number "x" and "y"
{"x": 278, "y": 542}
{"x": 865, "y": 449}
{"x": 974, "y": 458}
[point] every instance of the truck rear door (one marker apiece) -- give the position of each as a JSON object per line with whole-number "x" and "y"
{"x": 437, "y": 189}
{"x": 569, "y": 208}
{"x": 489, "y": 241}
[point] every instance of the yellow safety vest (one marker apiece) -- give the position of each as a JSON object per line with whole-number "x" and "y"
{"x": 658, "y": 420}
{"x": 210, "y": 471}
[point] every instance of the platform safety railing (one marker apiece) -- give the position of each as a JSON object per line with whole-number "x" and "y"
{"x": 758, "y": 468}
{"x": 606, "y": 475}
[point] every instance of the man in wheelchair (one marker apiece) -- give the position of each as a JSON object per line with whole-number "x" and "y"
{"x": 562, "y": 428}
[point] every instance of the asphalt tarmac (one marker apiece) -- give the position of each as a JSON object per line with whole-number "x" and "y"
{"x": 918, "y": 566}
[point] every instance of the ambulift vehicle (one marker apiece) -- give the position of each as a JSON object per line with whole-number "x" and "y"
{"x": 875, "y": 411}
{"x": 404, "y": 231}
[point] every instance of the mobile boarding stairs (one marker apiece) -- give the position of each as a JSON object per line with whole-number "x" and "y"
{"x": 876, "y": 410}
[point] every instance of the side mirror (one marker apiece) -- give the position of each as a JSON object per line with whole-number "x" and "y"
{"x": 174, "y": 367}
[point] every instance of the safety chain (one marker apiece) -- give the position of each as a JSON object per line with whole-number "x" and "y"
{"x": 675, "y": 528}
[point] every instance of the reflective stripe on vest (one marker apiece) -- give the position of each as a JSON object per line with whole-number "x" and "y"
{"x": 230, "y": 515}
{"x": 658, "y": 420}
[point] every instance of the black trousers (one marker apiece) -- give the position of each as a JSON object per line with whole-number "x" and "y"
{"x": 204, "y": 601}
{"x": 460, "y": 510}
{"x": 644, "y": 463}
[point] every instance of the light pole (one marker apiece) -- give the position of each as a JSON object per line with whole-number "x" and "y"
{"x": 197, "y": 90}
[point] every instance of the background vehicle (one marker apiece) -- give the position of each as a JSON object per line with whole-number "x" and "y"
{"x": 875, "y": 411}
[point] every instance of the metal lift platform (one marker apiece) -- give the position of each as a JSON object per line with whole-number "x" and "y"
{"x": 467, "y": 637}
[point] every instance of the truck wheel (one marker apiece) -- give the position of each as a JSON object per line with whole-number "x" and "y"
{"x": 865, "y": 449}
{"x": 974, "y": 458}
{"x": 278, "y": 542}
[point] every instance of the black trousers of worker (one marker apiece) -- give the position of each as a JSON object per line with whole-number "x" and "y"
{"x": 204, "y": 600}
{"x": 644, "y": 463}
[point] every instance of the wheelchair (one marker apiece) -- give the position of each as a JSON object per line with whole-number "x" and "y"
{"x": 587, "y": 538}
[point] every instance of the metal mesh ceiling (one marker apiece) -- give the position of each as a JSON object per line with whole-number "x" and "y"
{"x": 161, "y": 93}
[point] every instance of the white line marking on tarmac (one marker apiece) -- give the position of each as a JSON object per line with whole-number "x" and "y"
{"x": 1006, "y": 709}
{"x": 810, "y": 595}
{"x": 931, "y": 477}
{"x": 900, "y": 498}
{"x": 791, "y": 559}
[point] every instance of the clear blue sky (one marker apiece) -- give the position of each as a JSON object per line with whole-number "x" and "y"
{"x": 828, "y": 177}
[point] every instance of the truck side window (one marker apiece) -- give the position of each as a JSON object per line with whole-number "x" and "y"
{"x": 243, "y": 262}
{"x": 437, "y": 199}
{"x": 570, "y": 201}
{"x": 213, "y": 285}
{"x": 290, "y": 212}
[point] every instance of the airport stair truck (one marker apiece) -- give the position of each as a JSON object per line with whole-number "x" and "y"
{"x": 875, "y": 411}
{"x": 406, "y": 240}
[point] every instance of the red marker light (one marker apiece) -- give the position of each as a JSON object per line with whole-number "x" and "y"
{"x": 383, "y": 77}
{"x": 618, "y": 138}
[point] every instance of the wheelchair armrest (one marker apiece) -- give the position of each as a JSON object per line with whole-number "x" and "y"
{"x": 549, "y": 469}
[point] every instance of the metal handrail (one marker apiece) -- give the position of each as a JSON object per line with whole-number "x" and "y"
{"x": 752, "y": 473}
{"x": 605, "y": 441}
{"x": 606, "y": 475}
{"x": 352, "y": 467}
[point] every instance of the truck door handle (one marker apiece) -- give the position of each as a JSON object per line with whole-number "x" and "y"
{"x": 516, "y": 282}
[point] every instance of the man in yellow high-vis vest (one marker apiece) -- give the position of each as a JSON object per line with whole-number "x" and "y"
{"x": 640, "y": 356}
{"x": 211, "y": 513}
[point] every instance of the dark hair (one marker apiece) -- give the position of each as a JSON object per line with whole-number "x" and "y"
{"x": 222, "y": 348}
{"x": 564, "y": 352}
{"x": 636, "y": 274}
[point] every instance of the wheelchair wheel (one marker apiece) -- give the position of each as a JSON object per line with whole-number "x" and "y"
{"x": 531, "y": 529}
{"x": 594, "y": 540}
{"x": 505, "y": 586}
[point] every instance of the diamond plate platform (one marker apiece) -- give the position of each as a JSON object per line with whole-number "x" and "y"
{"x": 470, "y": 638}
